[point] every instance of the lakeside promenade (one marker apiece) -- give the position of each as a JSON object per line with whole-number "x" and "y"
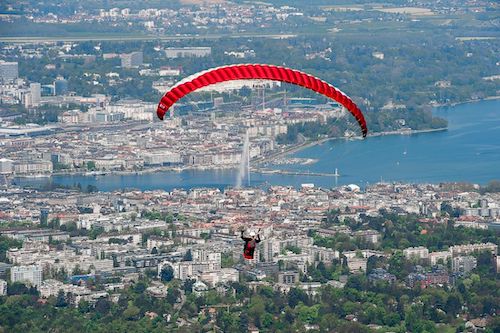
{"x": 256, "y": 161}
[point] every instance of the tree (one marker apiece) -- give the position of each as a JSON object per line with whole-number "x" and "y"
{"x": 188, "y": 256}
{"x": 227, "y": 260}
{"x": 391, "y": 319}
{"x": 169, "y": 218}
{"x": 91, "y": 165}
{"x": 95, "y": 231}
{"x": 61, "y": 299}
{"x": 453, "y": 304}
{"x": 70, "y": 227}
{"x": 328, "y": 322}
{"x": 167, "y": 273}
{"x": 173, "y": 295}
{"x": 17, "y": 288}
{"x": 345, "y": 266}
{"x": 188, "y": 285}
{"x": 256, "y": 309}
{"x": 495, "y": 324}
{"x": 123, "y": 301}
{"x": 289, "y": 315}
{"x": 84, "y": 306}
{"x": 493, "y": 186}
{"x": 43, "y": 220}
{"x": 77, "y": 270}
{"x": 293, "y": 249}
{"x": 308, "y": 314}
{"x": 243, "y": 322}
{"x": 54, "y": 223}
{"x": 140, "y": 287}
{"x": 267, "y": 320}
{"x": 189, "y": 308}
{"x": 6, "y": 244}
{"x": 352, "y": 327}
{"x": 114, "y": 240}
{"x": 131, "y": 312}
{"x": 332, "y": 217}
{"x": 227, "y": 321}
{"x": 397, "y": 265}
{"x": 358, "y": 282}
{"x": 240, "y": 289}
{"x": 102, "y": 306}
{"x": 295, "y": 296}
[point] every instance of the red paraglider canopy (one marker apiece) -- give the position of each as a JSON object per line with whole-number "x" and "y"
{"x": 255, "y": 72}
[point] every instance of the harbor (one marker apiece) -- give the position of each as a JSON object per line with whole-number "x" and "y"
{"x": 295, "y": 172}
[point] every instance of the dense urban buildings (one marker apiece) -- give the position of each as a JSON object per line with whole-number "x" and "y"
{"x": 83, "y": 248}
{"x": 193, "y": 236}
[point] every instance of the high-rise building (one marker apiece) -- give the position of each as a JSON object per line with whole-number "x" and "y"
{"x": 60, "y": 86}
{"x": 133, "y": 59}
{"x": 3, "y": 287}
{"x": 36, "y": 93}
{"x": 31, "y": 274}
{"x": 9, "y": 71}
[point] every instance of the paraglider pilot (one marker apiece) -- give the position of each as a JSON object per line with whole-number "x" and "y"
{"x": 250, "y": 243}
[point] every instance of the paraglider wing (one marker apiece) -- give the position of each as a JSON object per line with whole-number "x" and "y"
{"x": 255, "y": 72}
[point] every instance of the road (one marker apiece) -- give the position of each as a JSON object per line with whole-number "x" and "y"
{"x": 35, "y": 39}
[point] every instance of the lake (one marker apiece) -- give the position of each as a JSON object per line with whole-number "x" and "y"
{"x": 468, "y": 151}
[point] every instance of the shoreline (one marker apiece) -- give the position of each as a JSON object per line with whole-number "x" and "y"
{"x": 469, "y": 101}
{"x": 260, "y": 160}
{"x": 309, "y": 144}
{"x": 257, "y": 162}
{"x": 410, "y": 132}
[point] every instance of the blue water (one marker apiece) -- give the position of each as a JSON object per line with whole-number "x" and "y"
{"x": 468, "y": 151}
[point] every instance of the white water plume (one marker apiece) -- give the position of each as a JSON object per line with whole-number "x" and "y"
{"x": 244, "y": 163}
